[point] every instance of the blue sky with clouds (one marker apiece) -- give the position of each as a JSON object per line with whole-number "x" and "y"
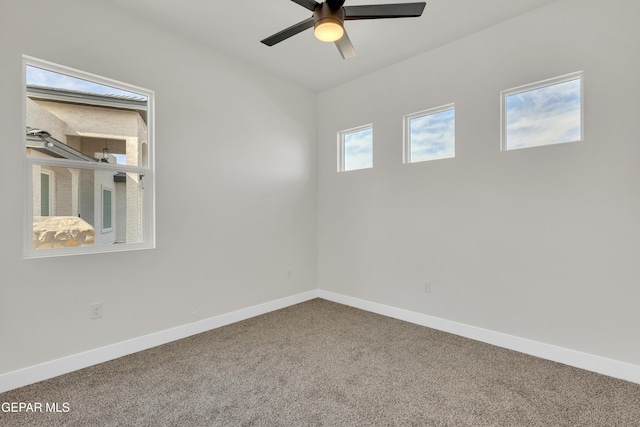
{"x": 432, "y": 136}
{"x": 41, "y": 77}
{"x": 548, "y": 115}
{"x": 358, "y": 149}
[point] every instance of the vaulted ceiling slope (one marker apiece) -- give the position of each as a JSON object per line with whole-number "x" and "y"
{"x": 235, "y": 27}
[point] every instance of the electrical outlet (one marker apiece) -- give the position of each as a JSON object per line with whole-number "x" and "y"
{"x": 95, "y": 310}
{"x": 427, "y": 286}
{"x": 289, "y": 273}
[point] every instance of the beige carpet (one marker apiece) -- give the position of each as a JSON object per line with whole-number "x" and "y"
{"x": 321, "y": 363}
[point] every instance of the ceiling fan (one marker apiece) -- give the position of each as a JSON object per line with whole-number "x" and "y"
{"x": 328, "y": 21}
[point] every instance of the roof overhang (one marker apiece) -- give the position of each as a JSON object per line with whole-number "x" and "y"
{"x": 42, "y": 142}
{"x": 86, "y": 98}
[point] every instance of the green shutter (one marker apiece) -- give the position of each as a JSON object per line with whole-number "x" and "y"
{"x": 106, "y": 209}
{"x": 45, "y": 196}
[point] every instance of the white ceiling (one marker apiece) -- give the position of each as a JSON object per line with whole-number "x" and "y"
{"x": 236, "y": 27}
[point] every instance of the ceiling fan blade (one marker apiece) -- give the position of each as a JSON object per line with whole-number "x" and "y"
{"x": 382, "y": 11}
{"x": 345, "y": 47}
{"x": 309, "y": 4}
{"x": 288, "y": 32}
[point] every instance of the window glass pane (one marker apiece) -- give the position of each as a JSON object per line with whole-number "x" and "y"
{"x": 88, "y": 207}
{"x": 358, "y": 149}
{"x": 543, "y": 116}
{"x": 72, "y": 118}
{"x": 432, "y": 136}
{"x": 88, "y": 147}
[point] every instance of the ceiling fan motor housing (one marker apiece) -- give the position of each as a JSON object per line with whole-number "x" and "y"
{"x": 324, "y": 15}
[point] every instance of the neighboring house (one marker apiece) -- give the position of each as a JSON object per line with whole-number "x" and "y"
{"x": 91, "y": 128}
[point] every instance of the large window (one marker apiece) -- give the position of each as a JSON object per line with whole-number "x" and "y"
{"x": 430, "y": 134}
{"x": 89, "y": 147}
{"x": 355, "y": 148}
{"x": 543, "y": 113}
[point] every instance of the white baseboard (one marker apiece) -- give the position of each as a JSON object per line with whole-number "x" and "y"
{"x": 590, "y": 362}
{"x": 43, "y": 371}
{"x": 586, "y": 361}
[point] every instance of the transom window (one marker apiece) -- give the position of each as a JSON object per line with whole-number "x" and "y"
{"x": 89, "y": 148}
{"x": 355, "y": 147}
{"x": 543, "y": 113}
{"x": 430, "y": 134}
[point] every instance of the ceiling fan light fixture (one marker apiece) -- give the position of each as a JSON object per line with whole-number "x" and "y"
{"x": 329, "y": 16}
{"x": 328, "y": 29}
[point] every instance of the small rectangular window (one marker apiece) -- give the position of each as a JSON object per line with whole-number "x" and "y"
{"x": 430, "y": 134}
{"x": 543, "y": 113}
{"x": 355, "y": 148}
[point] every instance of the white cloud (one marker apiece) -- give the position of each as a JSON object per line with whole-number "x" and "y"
{"x": 544, "y": 116}
{"x": 358, "y": 149}
{"x": 433, "y": 136}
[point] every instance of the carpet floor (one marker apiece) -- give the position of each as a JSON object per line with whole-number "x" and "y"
{"x": 322, "y": 363}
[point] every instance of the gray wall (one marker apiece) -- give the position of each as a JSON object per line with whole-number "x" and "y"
{"x": 539, "y": 243}
{"x": 235, "y": 188}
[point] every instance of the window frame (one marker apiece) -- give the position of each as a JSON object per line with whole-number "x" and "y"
{"x": 147, "y": 171}
{"x": 578, "y": 75}
{"x": 341, "y": 146}
{"x": 406, "y": 136}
